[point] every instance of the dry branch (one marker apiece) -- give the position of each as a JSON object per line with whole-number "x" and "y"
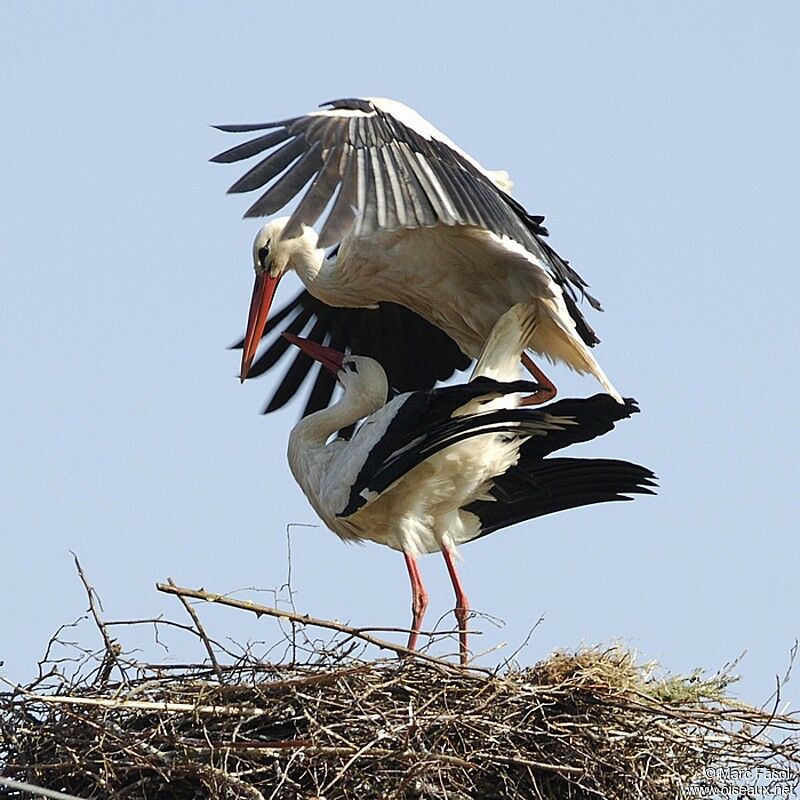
{"x": 306, "y": 619}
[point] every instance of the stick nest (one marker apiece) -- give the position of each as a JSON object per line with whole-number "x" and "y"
{"x": 587, "y": 724}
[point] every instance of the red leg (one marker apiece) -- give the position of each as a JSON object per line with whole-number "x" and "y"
{"x": 419, "y": 600}
{"x": 462, "y": 604}
{"x": 548, "y": 390}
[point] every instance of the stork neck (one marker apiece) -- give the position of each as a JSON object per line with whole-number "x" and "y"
{"x": 317, "y": 428}
{"x": 309, "y": 262}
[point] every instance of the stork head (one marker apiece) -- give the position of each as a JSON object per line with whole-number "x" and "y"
{"x": 359, "y": 376}
{"x": 273, "y": 256}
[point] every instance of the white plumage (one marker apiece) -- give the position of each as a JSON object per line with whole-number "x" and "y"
{"x": 420, "y": 223}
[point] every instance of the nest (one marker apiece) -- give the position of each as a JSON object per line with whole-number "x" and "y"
{"x": 335, "y": 724}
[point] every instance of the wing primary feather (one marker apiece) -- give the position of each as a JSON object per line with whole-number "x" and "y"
{"x": 252, "y": 147}
{"x": 258, "y": 126}
{"x": 433, "y": 188}
{"x": 273, "y": 353}
{"x": 398, "y": 203}
{"x": 272, "y": 165}
{"x": 340, "y": 218}
{"x": 288, "y": 387}
{"x": 321, "y": 392}
{"x": 367, "y": 200}
{"x": 459, "y": 199}
{"x": 288, "y": 185}
{"x": 324, "y": 382}
{"x": 557, "y": 484}
{"x": 381, "y": 196}
{"x": 423, "y": 209}
{"x": 317, "y": 196}
{"x": 299, "y": 302}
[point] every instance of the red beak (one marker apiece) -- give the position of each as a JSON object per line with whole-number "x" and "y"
{"x": 263, "y": 292}
{"x": 329, "y": 358}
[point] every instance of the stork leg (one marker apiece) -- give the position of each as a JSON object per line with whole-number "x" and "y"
{"x": 462, "y": 603}
{"x": 548, "y": 390}
{"x": 419, "y": 599}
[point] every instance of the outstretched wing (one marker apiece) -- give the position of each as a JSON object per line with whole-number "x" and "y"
{"x": 425, "y": 425}
{"x": 370, "y": 164}
{"x": 414, "y": 353}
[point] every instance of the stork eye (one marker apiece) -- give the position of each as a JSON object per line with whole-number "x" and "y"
{"x": 350, "y": 366}
{"x": 263, "y": 255}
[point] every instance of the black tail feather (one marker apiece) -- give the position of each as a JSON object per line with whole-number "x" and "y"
{"x": 537, "y": 487}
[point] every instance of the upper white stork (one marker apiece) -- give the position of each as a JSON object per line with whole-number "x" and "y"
{"x": 420, "y": 225}
{"x": 432, "y": 469}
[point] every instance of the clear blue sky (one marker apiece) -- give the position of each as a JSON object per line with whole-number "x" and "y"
{"x": 661, "y": 142}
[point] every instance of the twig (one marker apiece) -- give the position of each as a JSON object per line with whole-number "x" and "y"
{"x": 144, "y": 705}
{"x": 510, "y": 660}
{"x": 113, "y": 648}
{"x": 40, "y": 791}
{"x": 306, "y": 619}
{"x": 201, "y": 632}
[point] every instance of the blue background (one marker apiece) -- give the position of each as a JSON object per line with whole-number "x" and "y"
{"x": 661, "y": 142}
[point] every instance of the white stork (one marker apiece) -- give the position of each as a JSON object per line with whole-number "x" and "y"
{"x": 429, "y": 470}
{"x": 421, "y": 225}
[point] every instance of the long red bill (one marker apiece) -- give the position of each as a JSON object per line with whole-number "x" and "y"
{"x": 329, "y": 358}
{"x": 263, "y": 292}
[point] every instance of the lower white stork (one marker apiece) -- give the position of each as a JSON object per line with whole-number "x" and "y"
{"x": 420, "y": 225}
{"x": 429, "y": 470}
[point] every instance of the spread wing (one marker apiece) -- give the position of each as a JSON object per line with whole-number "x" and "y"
{"x": 414, "y": 353}
{"x": 368, "y": 164}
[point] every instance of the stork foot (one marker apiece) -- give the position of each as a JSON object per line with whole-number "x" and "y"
{"x": 462, "y": 614}
{"x": 548, "y": 390}
{"x": 537, "y": 398}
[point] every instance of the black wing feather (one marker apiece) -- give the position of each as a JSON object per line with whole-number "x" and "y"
{"x": 289, "y": 183}
{"x": 270, "y": 167}
{"x": 536, "y": 487}
{"x": 275, "y": 351}
{"x": 316, "y": 198}
{"x": 343, "y": 212}
{"x": 414, "y": 353}
{"x": 593, "y": 417}
{"x": 424, "y": 425}
{"x": 288, "y": 387}
{"x": 252, "y": 147}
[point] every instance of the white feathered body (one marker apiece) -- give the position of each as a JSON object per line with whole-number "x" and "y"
{"x": 460, "y": 278}
{"x": 421, "y": 512}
